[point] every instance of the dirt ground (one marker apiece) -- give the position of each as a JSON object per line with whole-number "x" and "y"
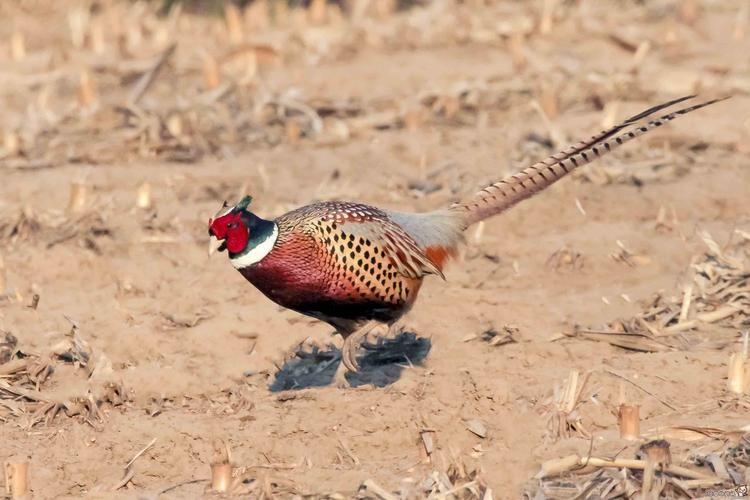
{"x": 428, "y": 105}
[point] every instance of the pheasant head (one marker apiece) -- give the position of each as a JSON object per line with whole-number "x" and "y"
{"x": 246, "y": 237}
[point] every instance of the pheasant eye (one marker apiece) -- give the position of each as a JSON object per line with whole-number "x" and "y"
{"x": 232, "y": 225}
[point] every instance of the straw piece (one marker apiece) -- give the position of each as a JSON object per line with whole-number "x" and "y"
{"x": 211, "y": 73}
{"x": 17, "y": 46}
{"x": 147, "y": 79}
{"x": 686, "y": 299}
{"x": 547, "y": 18}
{"x": 233, "y": 18}
{"x": 517, "y": 52}
{"x": 11, "y": 143}
{"x": 736, "y": 376}
{"x": 87, "y": 93}
{"x": 143, "y": 199}
{"x": 77, "y": 200}
{"x": 17, "y": 479}
{"x": 570, "y": 392}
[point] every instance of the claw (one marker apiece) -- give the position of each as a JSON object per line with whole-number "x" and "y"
{"x": 351, "y": 344}
{"x": 349, "y": 354}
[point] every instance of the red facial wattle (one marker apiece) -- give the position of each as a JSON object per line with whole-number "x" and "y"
{"x": 232, "y": 230}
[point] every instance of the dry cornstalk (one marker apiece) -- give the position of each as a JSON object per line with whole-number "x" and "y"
{"x": 564, "y": 418}
{"x": 318, "y": 11}
{"x": 570, "y": 394}
{"x": 221, "y": 467}
{"x": 77, "y": 198}
{"x": 517, "y": 52}
{"x": 17, "y": 479}
{"x": 657, "y": 456}
{"x": 549, "y": 100}
{"x": 233, "y": 18}
{"x": 87, "y": 94}
{"x": 629, "y": 422}
{"x": 687, "y": 297}
{"x": 175, "y": 126}
{"x": 657, "y": 451}
{"x": 211, "y": 73}
{"x": 11, "y": 142}
{"x": 650, "y": 485}
{"x": 548, "y": 11}
{"x": 17, "y": 46}
{"x": 293, "y": 131}
{"x": 143, "y": 199}
{"x": 98, "y": 44}
{"x": 736, "y": 376}
{"x": 221, "y": 477}
{"x": 707, "y": 317}
{"x": 559, "y": 466}
{"x": 78, "y": 22}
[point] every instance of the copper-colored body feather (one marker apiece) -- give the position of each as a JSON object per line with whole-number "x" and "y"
{"x": 344, "y": 263}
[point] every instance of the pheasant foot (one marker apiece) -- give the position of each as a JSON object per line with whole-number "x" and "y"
{"x": 351, "y": 344}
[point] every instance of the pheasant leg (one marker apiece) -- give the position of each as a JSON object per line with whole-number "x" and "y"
{"x": 351, "y": 344}
{"x": 339, "y": 378}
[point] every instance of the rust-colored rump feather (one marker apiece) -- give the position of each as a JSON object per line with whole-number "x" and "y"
{"x": 440, "y": 255}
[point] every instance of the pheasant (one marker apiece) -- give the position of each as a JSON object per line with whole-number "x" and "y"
{"x": 355, "y": 266}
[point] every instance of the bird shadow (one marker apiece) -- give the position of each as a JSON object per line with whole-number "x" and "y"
{"x": 381, "y": 364}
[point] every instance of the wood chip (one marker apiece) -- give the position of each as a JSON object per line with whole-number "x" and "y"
{"x": 477, "y": 427}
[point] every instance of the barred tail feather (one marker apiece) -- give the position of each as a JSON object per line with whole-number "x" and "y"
{"x": 502, "y": 195}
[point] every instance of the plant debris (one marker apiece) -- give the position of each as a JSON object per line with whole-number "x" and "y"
{"x": 23, "y": 378}
{"x": 651, "y": 474}
{"x": 718, "y": 293}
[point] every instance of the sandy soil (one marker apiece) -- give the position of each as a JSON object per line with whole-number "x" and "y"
{"x": 197, "y": 349}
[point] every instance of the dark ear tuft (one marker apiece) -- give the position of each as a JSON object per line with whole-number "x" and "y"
{"x": 244, "y": 203}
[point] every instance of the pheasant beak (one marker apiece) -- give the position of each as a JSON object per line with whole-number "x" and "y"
{"x": 214, "y": 244}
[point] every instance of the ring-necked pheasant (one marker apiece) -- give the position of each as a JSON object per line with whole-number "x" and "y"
{"x": 353, "y": 265}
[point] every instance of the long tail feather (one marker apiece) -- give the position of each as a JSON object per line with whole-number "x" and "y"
{"x": 502, "y": 195}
